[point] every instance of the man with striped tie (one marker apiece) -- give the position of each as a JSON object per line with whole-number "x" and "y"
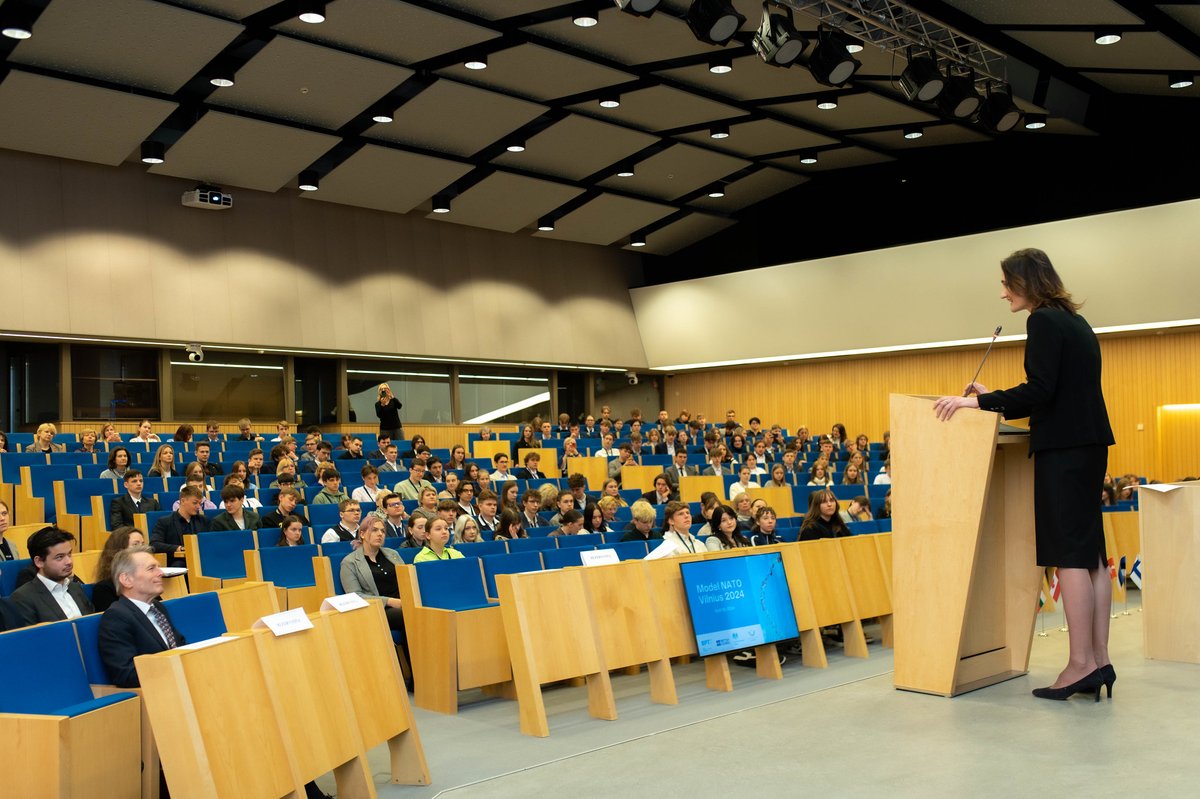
{"x": 136, "y": 623}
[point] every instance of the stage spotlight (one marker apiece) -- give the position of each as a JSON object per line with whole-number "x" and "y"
{"x": 999, "y": 113}
{"x": 641, "y": 8}
{"x": 610, "y": 100}
{"x": 777, "y": 41}
{"x": 921, "y": 79}
{"x": 477, "y": 61}
{"x": 960, "y": 99}
{"x": 714, "y": 21}
{"x": 718, "y": 132}
{"x": 16, "y": 23}
{"x": 222, "y": 78}
{"x": 830, "y": 62}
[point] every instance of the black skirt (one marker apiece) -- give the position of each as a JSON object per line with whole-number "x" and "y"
{"x": 1066, "y": 506}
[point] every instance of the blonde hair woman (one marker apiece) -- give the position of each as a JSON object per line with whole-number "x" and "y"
{"x": 164, "y": 462}
{"x": 43, "y": 440}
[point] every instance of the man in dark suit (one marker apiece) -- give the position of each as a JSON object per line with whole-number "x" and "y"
{"x": 168, "y": 533}
{"x": 531, "y": 471}
{"x": 661, "y": 494}
{"x": 680, "y": 469}
{"x": 122, "y": 508}
{"x": 203, "y": 455}
{"x": 236, "y": 515}
{"x": 136, "y": 624}
{"x": 54, "y": 594}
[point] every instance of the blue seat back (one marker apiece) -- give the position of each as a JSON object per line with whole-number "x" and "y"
{"x": 481, "y": 548}
{"x": 221, "y": 552}
{"x": 335, "y": 565}
{"x": 198, "y": 616}
{"x": 560, "y": 558}
{"x": 509, "y": 564}
{"x": 289, "y": 567}
{"x": 9, "y": 569}
{"x": 87, "y": 629}
{"x": 539, "y": 532}
{"x": 863, "y": 528}
{"x": 530, "y": 544}
{"x": 585, "y": 541}
{"x": 342, "y": 548}
{"x": 72, "y": 458}
{"x": 884, "y": 525}
{"x": 322, "y": 516}
{"x": 11, "y": 463}
{"x": 78, "y": 494}
{"x": 393, "y": 541}
{"x": 42, "y": 670}
{"x": 848, "y": 492}
{"x": 452, "y": 584}
{"x": 629, "y": 550}
{"x": 409, "y": 554}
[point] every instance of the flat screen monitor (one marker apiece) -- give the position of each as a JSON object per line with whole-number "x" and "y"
{"x": 739, "y": 603}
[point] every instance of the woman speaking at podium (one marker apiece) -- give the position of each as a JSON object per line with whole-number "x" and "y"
{"x": 1069, "y": 440}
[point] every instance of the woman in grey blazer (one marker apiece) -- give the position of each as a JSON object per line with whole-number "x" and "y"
{"x": 371, "y": 572}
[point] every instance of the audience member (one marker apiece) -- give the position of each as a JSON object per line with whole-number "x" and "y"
{"x": 569, "y": 523}
{"x": 677, "y": 530}
{"x": 466, "y": 531}
{"x": 725, "y": 533}
{"x": 163, "y": 464}
{"x": 187, "y": 519}
{"x": 287, "y": 501}
{"x": 349, "y": 518}
{"x": 55, "y": 593}
{"x": 369, "y": 491}
{"x": 331, "y": 492}
{"x": 122, "y": 508}
{"x": 822, "y": 519}
{"x": 411, "y": 487}
{"x": 136, "y": 623}
{"x": 763, "y": 531}
{"x": 437, "y": 544}
{"x": 236, "y": 515}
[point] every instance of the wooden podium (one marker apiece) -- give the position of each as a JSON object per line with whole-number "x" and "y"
{"x": 965, "y": 577}
{"x": 1171, "y": 551}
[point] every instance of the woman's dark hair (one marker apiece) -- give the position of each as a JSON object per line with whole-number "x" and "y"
{"x": 184, "y": 432}
{"x": 814, "y": 512}
{"x": 508, "y": 518}
{"x": 840, "y": 429}
{"x": 117, "y": 541}
{"x": 588, "y": 512}
{"x": 287, "y": 522}
{"x": 1030, "y": 274}
{"x": 112, "y": 457}
{"x": 782, "y": 469}
{"x": 732, "y": 541}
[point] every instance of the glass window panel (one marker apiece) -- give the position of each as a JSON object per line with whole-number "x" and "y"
{"x": 503, "y": 395}
{"x": 227, "y": 386}
{"x": 423, "y": 390}
{"x": 316, "y": 391}
{"x": 615, "y": 391}
{"x": 114, "y": 383}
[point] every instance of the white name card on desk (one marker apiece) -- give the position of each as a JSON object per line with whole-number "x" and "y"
{"x": 599, "y": 557}
{"x": 344, "y": 602}
{"x": 664, "y": 550}
{"x": 289, "y": 621}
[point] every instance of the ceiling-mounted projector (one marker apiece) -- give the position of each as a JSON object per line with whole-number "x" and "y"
{"x": 208, "y": 197}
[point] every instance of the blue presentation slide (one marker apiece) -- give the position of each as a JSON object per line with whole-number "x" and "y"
{"x": 739, "y": 603}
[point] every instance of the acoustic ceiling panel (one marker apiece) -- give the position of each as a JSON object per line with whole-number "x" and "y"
{"x": 934, "y": 135}
{"x": 692, "y": 228}
{"x": 456, "y": 118}
{"x": 538, "y": 73}
{"x": 1127, "y": 83}
{"x": 84, "y": 37}
{"x": 754, "y": 188}
{"x": 1186, "y": 15}
{"x": 839, "y": 158}
{"x": 508, "y": 202}
{"x": 233, "y": 9}
{"x": 390, "y": 30}
{"x": 660, "y": 108}
{"x": 761, "y": 137}
{"x": 230, "y": 150}
{"x": 678, "y": 170}
{"x": 1136, "y": 50}
{"x": 750, "y": 79}
{"x": 626, "y": 38}
{"x": 576, "y": 147}
{"x": 46, "y": 115}
{"x": 853, "y": 111}
{"x": 606, "y": 219}
{"x": 490, "y": 9}
{"x": 308, "y": 83}
{"x": 1039, "y": 12}
{"x": 387, "y": 179}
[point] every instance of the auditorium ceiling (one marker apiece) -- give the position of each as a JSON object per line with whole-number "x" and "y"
{"x": 526, "y": 139}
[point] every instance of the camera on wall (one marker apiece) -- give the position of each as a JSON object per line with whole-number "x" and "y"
{"x": 632, "y": 378}
{"x": 195, "y": 353}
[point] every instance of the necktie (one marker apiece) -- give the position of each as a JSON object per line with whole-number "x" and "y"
{"x": 164, "y": 626}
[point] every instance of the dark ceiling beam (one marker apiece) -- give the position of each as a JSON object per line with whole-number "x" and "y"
{"x": 1159, "y": 20}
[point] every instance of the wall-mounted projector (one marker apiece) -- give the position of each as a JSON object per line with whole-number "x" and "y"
{"x": 208, "y": 197}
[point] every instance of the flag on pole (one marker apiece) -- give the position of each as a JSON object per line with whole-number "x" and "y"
{"x": 1135, "y": 572}
{"x": 1112, "y": 569}
{"x": 1121, "y": 572}
{"x": 1055, "y": 588}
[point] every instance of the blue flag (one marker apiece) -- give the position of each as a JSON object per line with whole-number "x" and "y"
{"x": 1121, "y": 572}
{"x": 1135, "y": 574}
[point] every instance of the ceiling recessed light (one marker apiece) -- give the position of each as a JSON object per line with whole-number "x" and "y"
{"x": 585, "y": 19}
{"x": 625, "y": 171}
{"x": 1035, "y": 121}
{"x": 382, "y": 118}
{"x": 719, "y": 65}
{"x": 637, "y": 240}
{"x": 1180, "y": 80}
{"x": 610, "y": 100}
{"x": 517, "y": 146}
{"x": 808, "y": 158}
{"x": 309, "y": 181}
{"x": 17, "y": 31}
{"x": 913, "y": 132}
{"x": 545, "y": 224}
{"x": 1108, "y": 37}
{"x": 718, "y": 132}
{"x": 222, "y": 78}
{"x": 828, "y": 103}
{"x": 441, "y": 204}
{"x": 16, "y": 23}
{"x": 477, "y": 61}
{"x": 312, "y": 11}
{"x": 716, "y": 191}
{"x": 153, "y": 152}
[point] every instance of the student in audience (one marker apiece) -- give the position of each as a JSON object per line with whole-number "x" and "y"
{"x": 549, "y": 494}
{"x": 802, "y": 437}
{"x": 725, "y": 533}
{"x": 136, "y": 623}
{"x": 624, "y": 458}
{"x": 331, "y": 492}
{"x": 851, "y": 475}
{"x": 763, "y": 531}
{"x": 863, "y": 443}
{"x": 466, "y": 531}
{"x": 3, "y": 442}
{"x": 163, "y": 464}
{"x": 145, "y": 433}
{"x": 415, "y": 533}
{"x": 246, "y": 431}
{"x": 427, "y": 503}
{"x": 501, "y": 460}
{"x": 778, "y": 477}
{"x": 859, "y": 510}
{"x": 669, "y": 444}
{"x": 762, "y": 455}
{"x": 236, "y": 515}
{"x": 819, "y": 474}
{"x": 412, "y": 487}
{"x": 87, "y": 442}
{"x": 288, "y": 505}
{"x": 349, "y": 523}
{"x": 447, "y": 509}
{"x": 743, "y": 482}
{"x": 593, "y": 520}
{"x": 641, "y": 527}
{"x": 322, "y": 454}
{"x": 285, "y": 474}
{"x": 354, "y": 451}
{"x": 458, "y": 458}
{"x": 677, "y": 530}
{"x": 390, "y": 508}
{"x": 104, "y": 593}
{"x": 793, "y": 463}
{"x": 291, "y": 532}
{"x": 109, "y": 434}
{"x": 716, "y": 463}
{"x": 391, "y": 459}
{"x": 465, "y": 497}
{"x": 254, "y": 465}
{"x": 183, "y": 433}
{"x": 570, "y": 450}
{"x": 43, "y": 440}
{"x": 612, "y": 489}
{"x": 608, "y": 510}
{"x": 512, "y": 525}
{"x": 123, "y": 507}
{"x": 471, "y": 474}
{"x": 488, "y": 509}
{"x": 709, "y": 502}
{"x": 662, "y": 493}
{"x": 187, "y": 519}
{"x": 1108, "y": 495}
{"x": 607, "y": 450}
{"x": 437, "y": 544}
{"x": 570, "y": 523}
{"x": 858, "y": 460}
{"x": 884, "y": 478}
{"x": 838, "y": 436}
{"x": 451, "y": 489}
{"x": 577, "y": 485}
{"x": 822, "y": 519}
{"x": 525, "y": 440}
{"x": 737, "y": 445}
{"x": 194, "y": 476}
{"x": 413, "y": 445}
{"x": 509, "y": 492}
{"x": 55, "y": 593}
{"x": 654, "y": 442}
{"x": 371, "y": 572}
{"x": 370, "y": 490}
{"x": 546, "y": 430}
{"x": 9, "y": 550}
{"x": 251, "y": 501}
{"x": 532, "y": 470}
{"x": 527, "y": 516}
{"x": 435, "y": 470}
{"x": 204, "y": 458}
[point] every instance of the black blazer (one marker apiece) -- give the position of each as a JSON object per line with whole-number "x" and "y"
{"x": 1061, "y": 394}
{"x": 121, "y": 510}
{"x": 125, "y": 633}
{"x": 36, "y": 604}
{"x": 525, "y": 474}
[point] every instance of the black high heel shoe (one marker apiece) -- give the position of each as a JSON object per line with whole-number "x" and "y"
{"x": 1090, "y": 684}
{"x": 1109, "y": 675}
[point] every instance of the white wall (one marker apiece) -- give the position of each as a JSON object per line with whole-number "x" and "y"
{"x": 1129, "y": 267}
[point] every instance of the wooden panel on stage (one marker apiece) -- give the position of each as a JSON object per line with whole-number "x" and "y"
{"x": 1171, "y": 555}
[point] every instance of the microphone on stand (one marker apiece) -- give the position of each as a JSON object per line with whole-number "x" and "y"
{"x": 995, "y": 333}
